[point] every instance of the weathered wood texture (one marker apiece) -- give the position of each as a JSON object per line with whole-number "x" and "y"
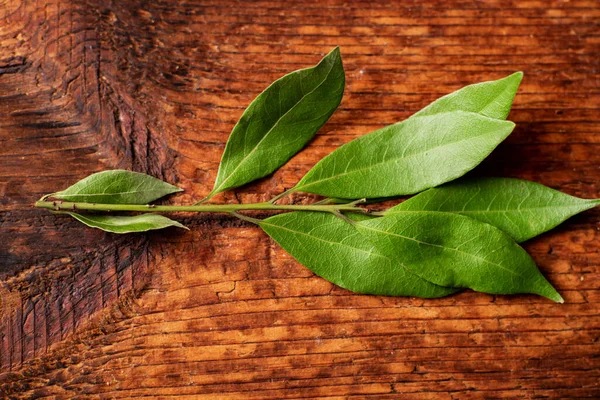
{"x": 221, "y": 311}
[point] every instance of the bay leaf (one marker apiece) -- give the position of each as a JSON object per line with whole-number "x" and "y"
{"x": 117, "y": 187}
{"x": 523, "y": 209}
{"x": 408, "y": 157}
{"x": 491, "y": 99}
{"x": 280, "y": 121}
{"x": 454, "y": 250}
{"x": 125, "y": 223}
{"x": 333, "y": 249}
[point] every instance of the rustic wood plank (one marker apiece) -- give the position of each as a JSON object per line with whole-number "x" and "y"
{"x": 221, "y": 311}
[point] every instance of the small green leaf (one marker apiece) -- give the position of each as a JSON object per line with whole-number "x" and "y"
{"x": 334, "y": 250}
{"x": 408, "y": 157}
{"x": 491, "y": 99}
{"x": 523, "y": 209}
{"x": 457, "y": 251}
{"x": 117, "y": 187}
{"x": 280, "y": 121}
{"x": 126, "y": 224}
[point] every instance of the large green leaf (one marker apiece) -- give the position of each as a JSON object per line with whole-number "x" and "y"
{"x": 457, "y": 251}
{"x": 334, "y": 250}
{"x": 491, "y": 99}
{"x": 280, "y": 121}
{"x": 408, "y": 157}
{"x": 117, "y": 187}
{"x": 523, "y": 209}
{"x": 126, "y": 224}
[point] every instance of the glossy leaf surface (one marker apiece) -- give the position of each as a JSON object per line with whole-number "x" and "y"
{"x": 280, "y": 121}
{"x": 523, "y": 209}
{"x": 408, "y": 157}
{"x": 457, "y": 251}
{"x": 334, "y": 250}
{"x": 491, "y": 99}
{"x": 117, "y": 187}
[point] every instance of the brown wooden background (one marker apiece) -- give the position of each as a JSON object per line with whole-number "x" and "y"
{"x": 221, "y": 311}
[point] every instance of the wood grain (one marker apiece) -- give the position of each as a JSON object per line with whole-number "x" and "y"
{"x": 221, "y": 311}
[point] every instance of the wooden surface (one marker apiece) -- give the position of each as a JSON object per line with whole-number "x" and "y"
{"x": 221, "y": 311}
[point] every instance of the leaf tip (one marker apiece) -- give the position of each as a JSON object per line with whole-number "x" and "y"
{"x": 556, "y": 297}
{"x": 511, "y": 84}
{"x": 177, "y": 224}
{"x": 517, "y": 76}
{"x": 515, "y": 81}
{"x": 334, "y": 55}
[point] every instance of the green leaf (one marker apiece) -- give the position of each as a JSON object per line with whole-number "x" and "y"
{"x": 334, "y": 250}
{"x": 491, "y": 99}
{"x": 457, "y": 251}
{"x": 117, "y": 187}
{"x": 408, "y": 157}
{"x": 523, "y": 209}
{"x": 280, "y": 121}
{"x": 126, "y": 224}
{"x": 404, "y": 158}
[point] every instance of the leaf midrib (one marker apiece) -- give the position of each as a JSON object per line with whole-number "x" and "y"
{"x": 497, "y": 211}
{"x": 215, "y": 190}
{"x": 505, "y": 89}
{"x": 391, "y": 161}
{"x": 110, "y": 194}
{"x": 103, "y": 223}
{"x": 443, "y": 247}
{"x": 125, "y": 226}
{"x": 325, "y": 241}
{"x": 388, "y": 259}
